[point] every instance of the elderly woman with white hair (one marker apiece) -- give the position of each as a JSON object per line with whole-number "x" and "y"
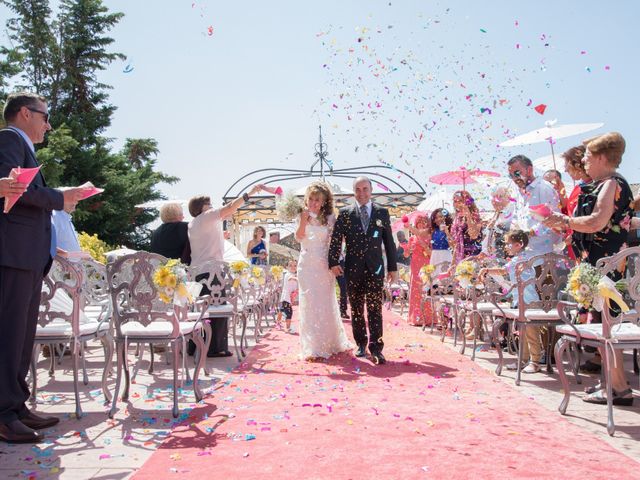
{"x": 171, "y": 239}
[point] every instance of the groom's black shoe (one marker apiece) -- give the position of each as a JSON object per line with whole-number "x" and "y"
{"x": 378, "y": 358}
{"x": 362, "y": 351}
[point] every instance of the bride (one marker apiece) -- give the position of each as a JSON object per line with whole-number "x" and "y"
{"x": 321, "y": 330}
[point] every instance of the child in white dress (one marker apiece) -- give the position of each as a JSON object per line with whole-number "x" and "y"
{"x": 289, "y": 293}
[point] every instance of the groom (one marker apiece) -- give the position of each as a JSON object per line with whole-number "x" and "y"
{"x": 365, "y": 227}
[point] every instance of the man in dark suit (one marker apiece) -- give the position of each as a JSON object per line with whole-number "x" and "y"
{"x": 25, "y": 257}
{"x": 366, "y": 227}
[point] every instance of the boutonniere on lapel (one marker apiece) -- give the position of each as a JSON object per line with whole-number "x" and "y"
{"x": 379, "y": 223}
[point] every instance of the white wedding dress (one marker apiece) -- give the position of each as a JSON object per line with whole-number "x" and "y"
{"x": 321, "y": 330}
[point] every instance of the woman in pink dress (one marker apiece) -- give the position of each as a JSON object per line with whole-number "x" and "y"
{"x": 420, "y": 251}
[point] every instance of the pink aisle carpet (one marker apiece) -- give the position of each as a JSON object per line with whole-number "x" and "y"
{"x": 428, "y": 413}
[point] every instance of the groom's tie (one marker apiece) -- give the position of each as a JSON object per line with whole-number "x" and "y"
{"x": 364, "y": 217}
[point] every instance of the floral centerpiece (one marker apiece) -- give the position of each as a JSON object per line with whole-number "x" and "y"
{"x": 288, "y": 207}
{"x": 171, "y": 281}
{"x": 277, "y": 271}
{"x": 465, "y": 271}
{"x": 592, "y": 289}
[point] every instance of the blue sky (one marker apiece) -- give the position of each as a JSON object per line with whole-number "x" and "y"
{"x": 404, "y": 83}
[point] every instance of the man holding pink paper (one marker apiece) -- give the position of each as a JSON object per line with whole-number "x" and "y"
{"x": 25, "y": 257}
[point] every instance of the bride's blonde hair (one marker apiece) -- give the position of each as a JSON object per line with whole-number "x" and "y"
{"x": 321, "y": 189}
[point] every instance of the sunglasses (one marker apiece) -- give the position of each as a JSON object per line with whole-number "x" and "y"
{"x": 45, "y": 114}
{"x": 516, "y": 174}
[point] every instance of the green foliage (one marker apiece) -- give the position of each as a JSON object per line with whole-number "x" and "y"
{"x": 60, "y": 58}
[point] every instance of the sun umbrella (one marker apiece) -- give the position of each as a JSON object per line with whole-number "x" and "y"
{"x": 462, "y": 176}
{"x": 232, "y": 253}
{"x": 399, "y": 224}
{"x": 546, "y": 163}
{"x": 549, "y": 133}
{"x": 441, "y": 199}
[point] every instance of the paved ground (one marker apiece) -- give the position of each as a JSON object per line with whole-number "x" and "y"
{"x": 546, "y": 390}
{"x": 96, "y": 447}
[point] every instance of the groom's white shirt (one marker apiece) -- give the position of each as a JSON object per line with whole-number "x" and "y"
{"x": 369, "y": 207}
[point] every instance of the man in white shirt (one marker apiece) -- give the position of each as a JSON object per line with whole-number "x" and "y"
{"x": 533, "y": 191}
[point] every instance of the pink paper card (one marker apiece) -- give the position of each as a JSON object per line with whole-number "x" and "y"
{"x": 89, "y": 190}
{"x": 22, "y": 175}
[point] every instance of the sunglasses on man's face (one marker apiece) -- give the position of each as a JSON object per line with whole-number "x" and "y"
{"x": 44, "y": 114}
{"x": 516, "y": 174}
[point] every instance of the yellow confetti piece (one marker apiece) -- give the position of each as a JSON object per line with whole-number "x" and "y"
{"x": 349, "y": 422}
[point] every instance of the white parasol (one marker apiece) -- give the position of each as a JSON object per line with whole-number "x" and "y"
{"x": 549, "y": 133}
{"x": 440, "y": 199}
{"x": 157, "y": 204}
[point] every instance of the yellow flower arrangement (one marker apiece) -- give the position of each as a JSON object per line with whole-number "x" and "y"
{"x": 590, "y": 288}
{"x": 238, "y": 266}
{"x": 426, "y": 273}
{"x": 465, "y": 271}
{"x": 277, "y": 272}
{"x": 257, "y": 275}
{"x": 94, "y": 246}
{"x": 404, "y": 274}
{"x": 171, "y": 279}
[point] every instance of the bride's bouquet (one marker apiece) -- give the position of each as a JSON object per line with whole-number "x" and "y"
{"x": 288, "y": 207}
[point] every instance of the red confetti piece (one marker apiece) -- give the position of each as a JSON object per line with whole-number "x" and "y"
{"x": 540, "y": 108}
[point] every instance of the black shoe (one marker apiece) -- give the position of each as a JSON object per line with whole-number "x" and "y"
{"x": 36, "y": 422}
{"x": 590, "y": 367}
{"x": 362, "y": 351}
{"x": 219, "y": 354}
{"x": 345, "y": 316}
{"x": 19, "y": 433}
{"x": 378, "y": 359}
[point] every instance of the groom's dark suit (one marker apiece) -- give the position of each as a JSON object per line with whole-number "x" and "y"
{"x": 25, "y": 241}
{"x": 364, "y": 268}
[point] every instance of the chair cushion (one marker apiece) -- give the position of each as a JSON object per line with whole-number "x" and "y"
{"x": 63, "y": 329}
{"x": 531, "y": 314}
{"x": 539, "y": 315}
{"x": 215, "y": 311}
{"x": 593, "y": 331}
{"x": 486, "y": 307}
{"x": 509, "y": 313}
{"x": 154, "y": 329}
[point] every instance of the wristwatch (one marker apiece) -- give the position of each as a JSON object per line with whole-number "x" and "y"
{"x": 245, "y": 196}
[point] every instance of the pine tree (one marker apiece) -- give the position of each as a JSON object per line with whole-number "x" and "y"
{"x": 61, "y": 58}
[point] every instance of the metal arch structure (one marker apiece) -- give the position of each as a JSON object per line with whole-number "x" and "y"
{"x": 399, "y": 190}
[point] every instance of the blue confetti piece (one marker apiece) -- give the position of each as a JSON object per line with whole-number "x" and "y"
{"x": 376, "y": 234}
{"x": 379, "y": 270}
